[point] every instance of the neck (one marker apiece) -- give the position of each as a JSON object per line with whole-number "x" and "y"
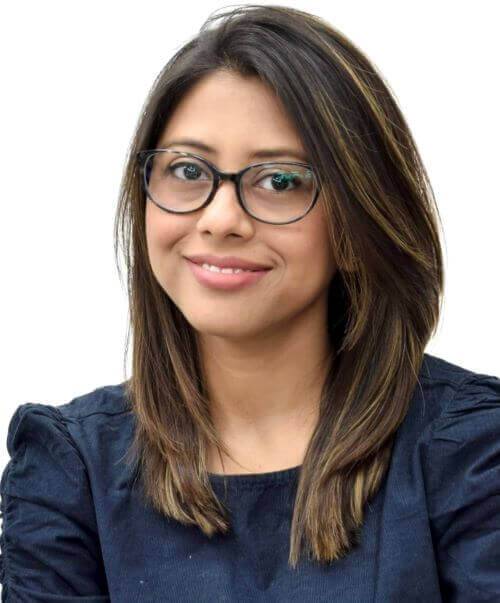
{"x": 265, "y": 393}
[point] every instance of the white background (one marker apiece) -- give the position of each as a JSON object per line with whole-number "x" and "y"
{"x": 74, "y": 78}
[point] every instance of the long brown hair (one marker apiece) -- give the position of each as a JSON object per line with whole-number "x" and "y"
{"x": 384, "y": 301}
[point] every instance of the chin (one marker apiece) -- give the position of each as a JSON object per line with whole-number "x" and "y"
{"x": 222, "y": 325}
{"x": 227, "y": 331}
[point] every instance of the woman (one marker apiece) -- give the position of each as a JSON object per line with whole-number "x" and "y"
{"x": 283, "y": 436}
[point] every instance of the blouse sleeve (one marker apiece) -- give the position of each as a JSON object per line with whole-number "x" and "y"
{"x": 50, "y": 548}
{"x": 463, "y": 489}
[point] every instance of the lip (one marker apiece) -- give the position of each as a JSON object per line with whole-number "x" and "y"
{"x": 218, "y": 280}
{"x": 227, "y": 262}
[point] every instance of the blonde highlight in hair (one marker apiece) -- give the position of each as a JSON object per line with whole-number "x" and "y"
{"x": 384, "y": 301}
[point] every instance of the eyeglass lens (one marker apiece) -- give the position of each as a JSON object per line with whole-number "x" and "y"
{"x": 275, "y": 192}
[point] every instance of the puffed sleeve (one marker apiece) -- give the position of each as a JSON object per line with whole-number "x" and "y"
{"x": 463, "y": 490}
{"x": 49, "y": 542}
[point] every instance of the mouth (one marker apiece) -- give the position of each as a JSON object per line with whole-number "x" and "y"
{"x": 228, "y": 269}
{"x": 226, "y": 278}
{"x": 214, "y": 262}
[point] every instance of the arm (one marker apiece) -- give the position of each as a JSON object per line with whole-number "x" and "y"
{"x": 49, "y": 541}
{"x": 463, "y": 490}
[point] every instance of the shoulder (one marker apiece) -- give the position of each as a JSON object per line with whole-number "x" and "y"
{"x": 446, "y": 390}
{"x": 462, "y": 483}
{"x": 48, "y": 501}
{"x": 465, "y": 423}
{"x": 42, "y": 419}
{"x": 454, "y": 418}
{"x": 77, "y": 431}
{"x": 107, "y": 400}
{"x": 460, "y": 392}
{"x": 462, "y": 447}
{"x": 451, "y": 426}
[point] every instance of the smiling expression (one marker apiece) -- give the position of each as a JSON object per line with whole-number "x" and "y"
{"x": 236, "y": 117}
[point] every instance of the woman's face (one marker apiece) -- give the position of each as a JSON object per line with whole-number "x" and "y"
{"x": 237, "y": 116}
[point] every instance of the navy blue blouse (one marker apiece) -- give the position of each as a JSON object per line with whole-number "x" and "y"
{"x": 75, "y": 528}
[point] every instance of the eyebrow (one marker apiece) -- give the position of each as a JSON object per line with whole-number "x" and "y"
{"x": 260, "y": 154}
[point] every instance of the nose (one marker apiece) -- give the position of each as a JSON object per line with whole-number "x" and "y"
{"x": 224, "y": 215}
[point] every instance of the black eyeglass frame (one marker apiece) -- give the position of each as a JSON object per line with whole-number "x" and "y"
{"x": 219, "y": 176}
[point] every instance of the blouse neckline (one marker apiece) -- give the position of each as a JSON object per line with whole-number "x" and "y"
{"x": 269, "y": 477}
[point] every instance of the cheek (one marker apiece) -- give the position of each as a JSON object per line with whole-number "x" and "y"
{"x": 163, "y": 230}
{"x": 320, "y": 248}
{"x": 314, "y": 265}
{"x": 309, "y": 253}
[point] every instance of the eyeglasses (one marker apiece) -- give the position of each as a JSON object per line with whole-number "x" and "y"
{"x": 277, "y": 192}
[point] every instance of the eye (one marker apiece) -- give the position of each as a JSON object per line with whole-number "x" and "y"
{"x": 191, "y": 171}
{"x": 280, "y": 181}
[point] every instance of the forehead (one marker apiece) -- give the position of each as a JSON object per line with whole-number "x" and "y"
{"x": 229, "y": 111}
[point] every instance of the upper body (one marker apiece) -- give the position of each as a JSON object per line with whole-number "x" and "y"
{"x": 75, "y": 527}
{"x": 284, "y": 246}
